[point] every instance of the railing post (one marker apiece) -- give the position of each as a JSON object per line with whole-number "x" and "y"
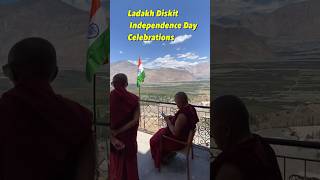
{"x": 305, "y": 169}
{"x": 166, "y": 107}
{"x": 284, "y": 168}
{"x": 94, "y": 103}
{"x": 95, "y": 125}
{"x": 144, "y": 123}
{"x": 158, "y": 118}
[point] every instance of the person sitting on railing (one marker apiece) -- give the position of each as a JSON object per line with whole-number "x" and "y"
{"x": 244, "y": 156}
{"x": 43, "y": 136}
{"x": 124, "y": 118}
{"x": 178, "y": 127}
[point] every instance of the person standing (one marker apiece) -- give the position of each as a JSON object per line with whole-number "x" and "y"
{"x": 124, "y": 119}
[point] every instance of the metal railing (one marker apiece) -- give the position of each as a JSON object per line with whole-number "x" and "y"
{"x": 101, "y": 128}
{"x": 151, "y": 120}
{"x": 293, "y": 167}
{"x": 102, "y": 159}
{"x": 313, "y": 146}
{"x": 298, "y": 166}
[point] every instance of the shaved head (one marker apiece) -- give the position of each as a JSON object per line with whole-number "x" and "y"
{"x": 33, "y": 58}
{"x": 120, "y": 80}
{"x": 181, "y": 99}
{"x": 231, "y": 119}
{"x": 183, "y": 96}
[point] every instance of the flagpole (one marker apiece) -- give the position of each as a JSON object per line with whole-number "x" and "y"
{"x": 95, "y": 125}
{"x": 139, "y": 92}
{"x": 139, "y": 104}
{"x": 94, "y": 103}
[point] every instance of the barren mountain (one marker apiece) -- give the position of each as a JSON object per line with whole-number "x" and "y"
{"x": 200, "y": 71}
{"x": 152, "y": 75}
{"x": 297, "y": 21}
{"x": 223, "y": 8}
{"x": 290, "y": 31}
{"x": 80, "y": 4}
{"x": 84, "y": 4}
{"x": 60, "y": 23}
{"x": 236, "y": 44}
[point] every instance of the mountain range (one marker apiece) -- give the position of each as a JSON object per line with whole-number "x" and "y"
{"x": 62, "y": 24}
{"x": 237, "y": 44}
{"x": 80, "y": 4}
{"x": 84, "y": 4}
{"x": 159, "y": 75}
{"x": 288, "y": 31}
{"x": 297, "y": 21}
{"x": 223, "y": 8}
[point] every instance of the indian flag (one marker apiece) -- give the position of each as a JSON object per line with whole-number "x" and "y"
{"x": 141, "y": 74}
{"x": 99, "y": 37}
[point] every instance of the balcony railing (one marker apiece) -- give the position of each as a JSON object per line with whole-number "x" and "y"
{"x": 151, "y": 120}
{"x": 293, "y": 167}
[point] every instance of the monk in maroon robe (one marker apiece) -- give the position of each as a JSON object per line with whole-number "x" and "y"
{"x": 178, "y": 127}
{"x": 43, "y": 136}
{"x": 245, "y": 156}
{"x": 124, "y": 114}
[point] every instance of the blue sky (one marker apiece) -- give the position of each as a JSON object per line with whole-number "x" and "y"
{"x": 195, "y": 49}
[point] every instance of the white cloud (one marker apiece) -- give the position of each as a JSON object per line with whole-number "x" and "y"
{"x": 188, "y": 55}
{"x": 181, "y": 39}
{"x": 202, "y": 58}
{"x": 169, "y": 61}
{"x": 147, "y": 42}
{"x": 120, "y": 52}
{"x": 163, "y": 44}
{"x": 178, "y": 49}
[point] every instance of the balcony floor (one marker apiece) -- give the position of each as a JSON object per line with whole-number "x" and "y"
{"x": 176, "y": 169}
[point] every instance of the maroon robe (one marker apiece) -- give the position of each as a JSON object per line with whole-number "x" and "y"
{"x": 254, "y": 158}
{"x": 123, "y": 163}
{"x": 168, "y": 146}
{"x": 40, "y": 133}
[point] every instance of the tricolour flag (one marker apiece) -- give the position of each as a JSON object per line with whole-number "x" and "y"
{"x": 141, "y": 74}
{"x": 99, "y": 37}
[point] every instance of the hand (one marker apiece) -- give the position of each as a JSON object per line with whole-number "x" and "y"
{"x": 114, "y": 132}
{"x": 117, "y": 144}
{"x": 168, "y": 118}
{"x": 167, "y": 121}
